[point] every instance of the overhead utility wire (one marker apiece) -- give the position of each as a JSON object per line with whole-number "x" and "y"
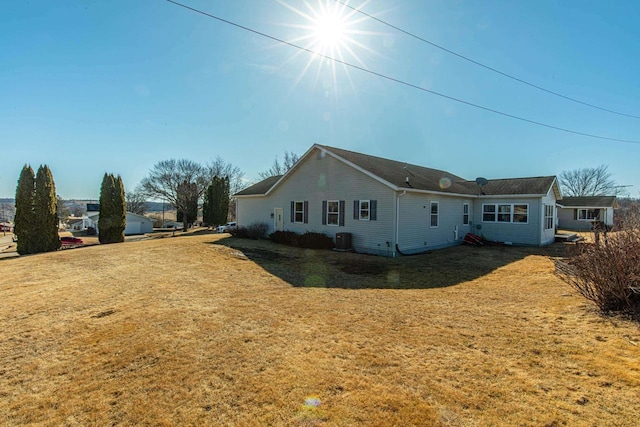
{"x": 393, "y": 79}
{"x": 568, "y": 98}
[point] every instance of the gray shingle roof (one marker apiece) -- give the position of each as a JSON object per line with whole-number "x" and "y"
{"x": 421, "y": 178}
{"x": 260, "y": 188}
{"x": 515, "y": 186}
{"x": 396, "y": 173}
{"x": 591, "y": 201}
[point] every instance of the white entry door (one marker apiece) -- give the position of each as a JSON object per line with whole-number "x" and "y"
{"x": 279, "y": 219}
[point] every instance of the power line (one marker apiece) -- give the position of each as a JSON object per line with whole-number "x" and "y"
{"x": 402, "y": 82}
{"x": 568, "y": 98}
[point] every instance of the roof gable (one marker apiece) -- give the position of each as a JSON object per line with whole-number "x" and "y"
{"x": 408, "y": 177}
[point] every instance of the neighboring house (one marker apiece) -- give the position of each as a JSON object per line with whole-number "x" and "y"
{"x": 582, "y": 213}
{"x": 135, "y": 224}
{"x": 79, "y": 223}
{"x": 388, "y": 207}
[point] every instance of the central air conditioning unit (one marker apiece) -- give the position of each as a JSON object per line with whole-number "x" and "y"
{"x": 343, "y": 241}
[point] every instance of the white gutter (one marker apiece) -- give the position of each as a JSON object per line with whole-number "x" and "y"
{"x": 398, "y": 220}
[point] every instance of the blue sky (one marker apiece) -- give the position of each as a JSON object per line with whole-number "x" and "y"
{"x": 90, "y": 87}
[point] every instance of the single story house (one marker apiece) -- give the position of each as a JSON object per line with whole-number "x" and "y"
{"x": 387, "y": 207}
{"x": 582, "y": 213}
{"x": 79, "y": 223}
{"x": 135, "y": 224}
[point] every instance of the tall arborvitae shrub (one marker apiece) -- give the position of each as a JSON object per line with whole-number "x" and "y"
{"x": 207, "y": 208}
{"x": 24, "y": 216}
{"x": 45, "y": 209}
{"x": 220, "y": 199}
{"x": 120, "y": 210}
{"x": 106, "y": 208}
{"x": 112, "y": 220}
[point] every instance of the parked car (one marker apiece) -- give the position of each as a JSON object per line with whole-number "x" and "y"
{"x": 228, "y": 226}
{"x": 70, "y": 241}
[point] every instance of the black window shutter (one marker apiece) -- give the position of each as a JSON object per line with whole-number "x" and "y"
{"x": 575, "y": 214}
{"x": 293, "y": 211}
{"x": 356, "y": 208}
{"x": 306, "y": 212}
{"x": 341, "y": 205}
{"x": 324, "y": 212}
{"x": 373, "y": 210}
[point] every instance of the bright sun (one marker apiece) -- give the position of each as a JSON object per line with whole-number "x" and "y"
{"x": 328, "y": 29}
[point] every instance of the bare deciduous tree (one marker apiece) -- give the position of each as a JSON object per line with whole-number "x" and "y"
{"x": 222, "y": 169}
{"x": 170, "y": 179}
{"x": 290, "y": 159}
{"x": 136, "y": 201}
{"x": 588, "y": 182}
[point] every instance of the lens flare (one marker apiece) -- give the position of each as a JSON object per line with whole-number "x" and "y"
{"x": 312, "y": 401}
{"x": 445, "y": 183}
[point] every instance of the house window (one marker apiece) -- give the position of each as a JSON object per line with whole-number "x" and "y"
{"x": 548, "y": 217}
{"x": 588, "y": 214}
{"x": 333, "y": 212}
{"x": 504, "y": 213}
{"x": 300, "y": 212}
{"x": 465, "y": 214}
{"x": 514, "y": 213}
{"x": 521, "y": 213}
{"x": 489, "y": 213}
{"x": 434, "y": 214}
{"x": 364, "y": 210}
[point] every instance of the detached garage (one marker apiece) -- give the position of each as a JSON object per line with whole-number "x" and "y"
{"x": 138, "y": 224}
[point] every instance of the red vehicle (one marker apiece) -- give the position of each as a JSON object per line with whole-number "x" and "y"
{"x": 70, "y": 241}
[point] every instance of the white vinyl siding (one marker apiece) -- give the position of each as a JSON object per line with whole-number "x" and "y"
{"x": 515, "y": 231}
{"x": 415, "y": 231}
{"x": 319, "y": 179}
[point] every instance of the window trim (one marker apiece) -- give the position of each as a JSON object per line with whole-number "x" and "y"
{"x": 296, "y": 212}
{"x": 368, "y": 210}
{"x": 587, "y": 210}
{"x": 465, "y": 215}
{"x": 494, "y": 213}
{"x": 548, "y": 225}
{"x": 501, "y": 214}
{"x": 336, "y": 213}
{"x": 512, "y": 213}
{"x": 431, "y": 214}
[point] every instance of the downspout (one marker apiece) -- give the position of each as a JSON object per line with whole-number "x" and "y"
{"x": 398, "y": 218}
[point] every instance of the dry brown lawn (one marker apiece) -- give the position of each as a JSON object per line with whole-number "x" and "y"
{"x": 209, "y": 330}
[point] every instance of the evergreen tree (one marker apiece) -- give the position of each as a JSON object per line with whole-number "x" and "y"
{"x": 208, "y": 206}
{"x": 120, "y": 211}
{"x": 45, "y": 208}
{"x": 220, "y": 200}
{"x": 112, "y": 220}
{"x": 24, "y": 220}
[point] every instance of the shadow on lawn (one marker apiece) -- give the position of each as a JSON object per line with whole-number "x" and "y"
{"x": 330, "y": 269}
